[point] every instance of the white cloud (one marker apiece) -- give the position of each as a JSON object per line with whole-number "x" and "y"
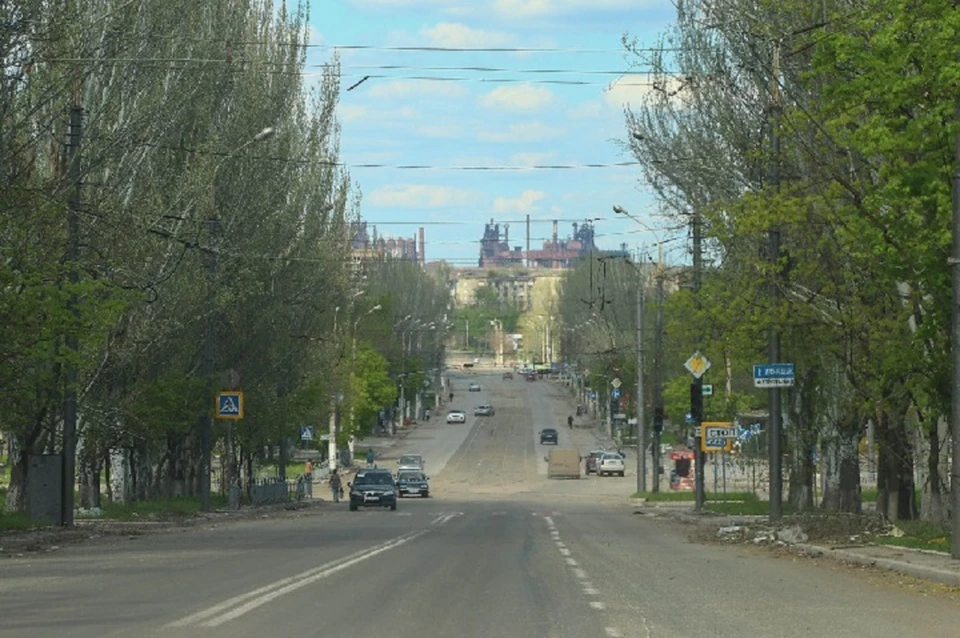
{"x": 420, "y": 196}
{"x": 631, "y": 90}
{"x": 529, "y": 8}
{"x": 526, "y": 203}
{"x": 453, "y": 35}
{"x": 415, "y": 88}
{"x": 351, "y": 112}
{"x": 518, "y": 96}
{"x": 440, "y": 131}
{"x": 529, "y": 159}
{"x": 525, "y": 132}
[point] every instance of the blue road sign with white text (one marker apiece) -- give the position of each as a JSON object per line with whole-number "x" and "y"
{"x": 773, "y": 375}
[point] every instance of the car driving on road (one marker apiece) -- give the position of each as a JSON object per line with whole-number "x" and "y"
{"x": 412, "y": 483}
{"x": 373, "y": 488}
{"x": 410, "y": 462}
{"x": 611, "y": 463}
{"x": 549, "y": 435}
{"x": 473, "y": 387}
{"x": 593, "y": 458}
{"x": 483, "y": 410}
{"x": 456, "y": 416}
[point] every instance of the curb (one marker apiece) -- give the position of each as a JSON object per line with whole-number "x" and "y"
{"x": 942, "y": 576}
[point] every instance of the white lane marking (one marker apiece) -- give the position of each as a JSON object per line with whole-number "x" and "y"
{"x": 596, "y": 604}
{"x": 564, "y": 551}
{"x": 613, "y": 632}
{"x": 580, "y": 573}
{"x": 560, "y": 545}
{"x": 303, "y": 582}
{"x": 549, "y": 520}
{"x": 590, "y": 591}
{"x": 252, "y": 599}
{"x": 445, "y": 517}
{"x": 571, "y": 562}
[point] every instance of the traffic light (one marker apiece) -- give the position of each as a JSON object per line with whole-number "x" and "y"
{"x": 696, "y": 402}
{"x": 658, "y": 419}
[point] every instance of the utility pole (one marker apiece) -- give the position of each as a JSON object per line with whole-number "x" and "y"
{"x": 206, "y": 420}
{"x": 776, "y": 456}
{"x": 955, "y": 345}
{"x": 641, "y": 416}
{"x": 71, "y": 376}
{"x": 658, "y": 376}
{"x": 696, "y": 388}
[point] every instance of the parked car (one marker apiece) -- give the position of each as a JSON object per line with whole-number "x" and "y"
{"x": 473, "y": 387}
{"x": 610, "y": 464}
{"x": 456, "y": 416}
{"x": 373, "y": 488}
{"x": 412, "y": 483}
{"x": 593, "y": 459}
{"x": 410, "y": 462}
{"x": 483, "y": 410}
{"x": 549, "y": 435}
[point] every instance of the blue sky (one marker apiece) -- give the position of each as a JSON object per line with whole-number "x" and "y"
{"x": 505, "y": 118}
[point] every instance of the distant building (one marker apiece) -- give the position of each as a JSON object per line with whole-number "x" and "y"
{"x": 368, "y": 246}
{"x": 555, "y": 253}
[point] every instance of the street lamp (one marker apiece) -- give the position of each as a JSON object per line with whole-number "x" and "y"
{"x": 332, "y": 449}
{"x": 206, "y": 421}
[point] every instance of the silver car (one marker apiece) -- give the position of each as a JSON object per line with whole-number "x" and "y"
{"x": 611, "y": 464}
{"x": 410, "y": 462}
{"x": 456, "y": 416}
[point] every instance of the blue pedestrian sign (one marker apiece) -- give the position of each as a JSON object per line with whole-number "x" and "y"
{"x": 773, "y": 375}
{"x": 230, "y": 405}
{"x": 615, "y": 393}
{"x": 306, "y": 433}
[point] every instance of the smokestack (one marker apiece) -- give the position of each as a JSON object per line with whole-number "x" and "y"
{"x": 554, "y": 232}
{"x": 528, "y": 240}
{"x": 506, "y": 234}
{"x": 421, "y": 254}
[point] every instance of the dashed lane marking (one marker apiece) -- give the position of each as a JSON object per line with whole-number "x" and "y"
{"x": 613, "y": 632}
{"x": 596, "y": 604}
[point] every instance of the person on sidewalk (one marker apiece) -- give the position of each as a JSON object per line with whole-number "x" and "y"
{"x": 335, "y": 486}
{"x": 308, "y": 470}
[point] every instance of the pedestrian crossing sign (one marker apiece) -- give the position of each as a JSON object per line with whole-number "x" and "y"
{"x": 230, "y": 405}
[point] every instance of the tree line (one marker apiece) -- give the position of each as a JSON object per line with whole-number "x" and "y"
{"x": 210, "y": 246}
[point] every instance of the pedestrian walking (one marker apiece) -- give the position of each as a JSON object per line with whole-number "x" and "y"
{"x": 570, "y": 422}
{"x": 308, "y": 470}
{"x": 335, "y": 486}
{"x": 371, "y": 457}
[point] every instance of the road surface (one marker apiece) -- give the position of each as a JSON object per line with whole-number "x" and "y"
{"x": 499, "y": 551}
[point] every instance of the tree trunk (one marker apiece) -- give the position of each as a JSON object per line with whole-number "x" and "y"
{"x": 88, "y": 467}
{"x": 16, "y": 492}
{"x": 802, "y": 466}
{"x": 842, "y": 486}
{"x": 896, "y": 499}
{"x": 933, "y": 505}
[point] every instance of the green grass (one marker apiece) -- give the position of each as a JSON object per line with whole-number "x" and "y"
{"x": 184, "y": 507}
{"x": 293, "y": 469}
{"x": 671, "y": 496}
{"x": 869, "y": 495}
{"x": 919, "y": 535}
{"x": 14, "y": 521}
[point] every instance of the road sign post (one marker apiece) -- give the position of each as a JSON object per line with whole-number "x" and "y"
{"x": 697, "y": 365}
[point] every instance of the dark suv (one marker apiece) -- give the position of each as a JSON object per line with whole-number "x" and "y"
{"x": 549, "y": 435}
{"x": 373, "y": 488}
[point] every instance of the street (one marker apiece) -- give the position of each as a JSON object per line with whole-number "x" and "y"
{"x": 497, "y": 551}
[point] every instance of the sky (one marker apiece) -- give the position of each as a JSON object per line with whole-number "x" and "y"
{"x": 486, "y": 129}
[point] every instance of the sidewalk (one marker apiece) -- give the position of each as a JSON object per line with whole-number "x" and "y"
{"x": 927, "y": 565}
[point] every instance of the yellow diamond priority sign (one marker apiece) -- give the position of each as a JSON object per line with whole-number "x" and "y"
{"x": 697, "y": 364}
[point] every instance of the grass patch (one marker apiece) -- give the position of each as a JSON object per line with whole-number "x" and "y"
{"x": 15, "y": 521}
{"x": 293, "y": 469}
{"x": 184, "y": 507}
{"x": 919, "y": 535}
{"x": 677, "y": 496}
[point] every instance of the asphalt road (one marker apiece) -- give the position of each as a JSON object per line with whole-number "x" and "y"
{"x": 499, "y": 551}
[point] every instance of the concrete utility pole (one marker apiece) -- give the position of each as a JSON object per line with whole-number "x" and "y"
{"x": 658, "y": 376}
{"x": 696, "y": 388}
{"x": 955, "y": 345}
{"x": 71, "y": 376}
{"x": 641, "y": 414}
{"x": 776, "y": 456}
